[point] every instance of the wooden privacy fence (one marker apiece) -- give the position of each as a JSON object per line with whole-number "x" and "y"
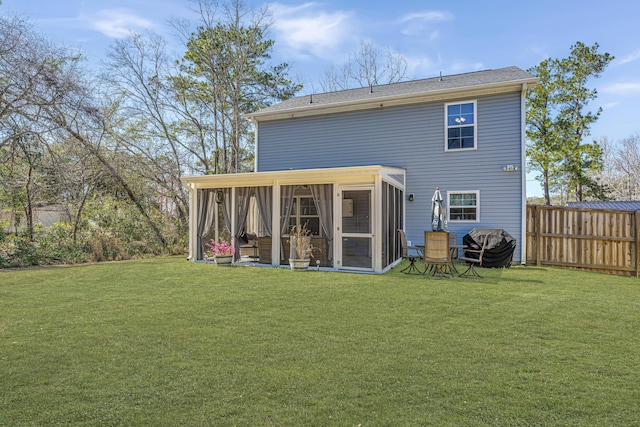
{"x": 594, "y": 239}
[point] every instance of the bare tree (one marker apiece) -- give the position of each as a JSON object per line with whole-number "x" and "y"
{"x": 132, "y": 134}
{"x": 622, "y": 168}
{"x": 150, "y": 115}
{"x": 370, "y": 65}
{"x": 27, "y": 63}
{"x": 44, "y": 87}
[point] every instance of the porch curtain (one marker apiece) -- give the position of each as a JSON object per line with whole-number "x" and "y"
{"x": 323, "y": 200}
{"x": 226, "y": 207}
{"x": 206, "y": 202}
{"x": 264, "y": 198}
{"x": 243, "y": 195}
{"x": 287, "y": 192}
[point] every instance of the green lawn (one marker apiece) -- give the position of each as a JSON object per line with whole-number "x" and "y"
{"x": 168, "y": 342}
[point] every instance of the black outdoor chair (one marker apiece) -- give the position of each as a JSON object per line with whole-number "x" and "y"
{"x": 473, "y": 256}
{"x": 412, "y": 253}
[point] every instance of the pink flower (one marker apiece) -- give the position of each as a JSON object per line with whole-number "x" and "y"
{"x": 223, "y": 248}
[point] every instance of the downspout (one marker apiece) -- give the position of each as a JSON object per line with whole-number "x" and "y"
{"x": 523, "y": 169}
{"x": 255, "y": 143}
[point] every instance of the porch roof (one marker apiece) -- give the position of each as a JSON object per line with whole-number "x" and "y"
{"x": 344, "y": 175}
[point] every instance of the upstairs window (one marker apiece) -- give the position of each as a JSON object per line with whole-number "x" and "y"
{"x": 464, "y": 206}
{"x": 460, "y": 129}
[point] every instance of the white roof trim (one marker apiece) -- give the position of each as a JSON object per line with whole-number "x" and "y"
{"x": 291, "y": 177}
{"x": 395, "y": 100}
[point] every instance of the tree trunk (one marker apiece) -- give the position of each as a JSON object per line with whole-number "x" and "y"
{"x": 545, "y": 183}
{"x": 120, "y": 181}
{"x": 28, "y": 209}
{"x": 76, "y": 221}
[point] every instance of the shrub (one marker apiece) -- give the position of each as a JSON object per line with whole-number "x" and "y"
{"x": 20, "y": 251}
{"x": 57, "y": 246}
{"x": 104, "y": 246}
{"x": 111, "y": 230}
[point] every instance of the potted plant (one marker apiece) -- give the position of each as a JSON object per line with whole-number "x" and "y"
{"x": 300, "y": 253}
{"x": 222, "y": 252}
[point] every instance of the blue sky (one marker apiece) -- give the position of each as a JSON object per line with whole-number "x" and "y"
{"x": 447, "y": 37}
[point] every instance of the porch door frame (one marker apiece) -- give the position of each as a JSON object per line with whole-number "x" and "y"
{"x": 340, "y": 234}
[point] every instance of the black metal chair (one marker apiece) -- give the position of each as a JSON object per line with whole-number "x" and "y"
{"x": 412, "y": 253}
{"x": 473, "y": 256}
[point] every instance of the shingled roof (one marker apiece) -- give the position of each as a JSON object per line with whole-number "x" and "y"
{"x": 397, "y": 93}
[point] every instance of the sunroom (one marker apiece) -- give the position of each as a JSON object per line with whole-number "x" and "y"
{"x": 353, "y": 214}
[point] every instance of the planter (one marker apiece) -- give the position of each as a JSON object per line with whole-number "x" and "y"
{"x": 299, "y": 264}
{"x": 223, "y": 259}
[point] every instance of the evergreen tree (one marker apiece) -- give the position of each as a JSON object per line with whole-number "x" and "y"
{"x": 559, "y": 122}
{"x": 225, "y": 68}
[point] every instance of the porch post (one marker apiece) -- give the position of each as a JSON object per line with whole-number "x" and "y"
{"x": 275, "y": 225}
{"x": 337, "y": 224}
{"x": 193, "y": 221}
{"x": 376, "y": 213}
{"x": 233, "y": 217}
{"x": 216, "y": 220}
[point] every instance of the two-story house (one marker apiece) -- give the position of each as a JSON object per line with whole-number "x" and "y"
{"x": 357, "y": 165}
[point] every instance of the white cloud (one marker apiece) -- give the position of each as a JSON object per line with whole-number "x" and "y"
{"x": 428, "y": 16}
{"x": 419, "y": 66}
{"x": 463, "y": 67}
{"x": 622, "y": 89}
{"x": 307, "y": 29}
{"x": 117, "y": 23}
{"x": 610, "y": 105}
{"x": 630, "y": 58}
{"x": 423, "y": 23}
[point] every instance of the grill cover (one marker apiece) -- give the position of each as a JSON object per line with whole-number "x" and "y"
{"x": 499, "y": 249}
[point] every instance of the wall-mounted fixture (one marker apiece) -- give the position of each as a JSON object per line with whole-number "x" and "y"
{"x": 510, "y": 168}
{"x": 411, "y": 197}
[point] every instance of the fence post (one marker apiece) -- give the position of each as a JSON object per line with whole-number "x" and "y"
{"x": 536, "y": 233}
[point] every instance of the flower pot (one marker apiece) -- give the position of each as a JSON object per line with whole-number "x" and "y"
{"x": 223, "y": 259}
{"x": 299, "y": 264}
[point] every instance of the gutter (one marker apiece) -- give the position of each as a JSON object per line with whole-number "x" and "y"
{"x": 394, "y": 100}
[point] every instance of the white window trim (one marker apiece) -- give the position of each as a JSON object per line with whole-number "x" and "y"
{"x": 475, "y": 125}
{"x": 298, "y": 216}
{"x": 460, "y": 221}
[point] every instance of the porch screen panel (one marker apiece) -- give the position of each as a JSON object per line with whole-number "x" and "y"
{"x": 206, "y": 214}
{"x": 386, "y": 225}
{"x": 399, "y": 212}
{"x": 243, "y": 194}
{"x": 226, "y": 208}
{"x": 323, "y": 200}
{"x": 392, "y": 220}
{"x": 286, "y": 200}
{"x": 264, "y": 199}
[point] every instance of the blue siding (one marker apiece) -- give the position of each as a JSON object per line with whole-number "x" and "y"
{"x": 412, "y": 137}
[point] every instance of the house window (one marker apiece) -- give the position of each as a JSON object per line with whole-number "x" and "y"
{"x": 460, "y": 128}
{"x": 464, "y": 206}
{"x": 303, "y": 211}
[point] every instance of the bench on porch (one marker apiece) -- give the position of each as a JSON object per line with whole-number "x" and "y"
{"x": 250, "y": 248}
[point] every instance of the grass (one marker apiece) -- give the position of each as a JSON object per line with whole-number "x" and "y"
{"x": 168, "y": 342}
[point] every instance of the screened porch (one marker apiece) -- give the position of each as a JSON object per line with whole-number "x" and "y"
{"x": 353, "y": 215}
